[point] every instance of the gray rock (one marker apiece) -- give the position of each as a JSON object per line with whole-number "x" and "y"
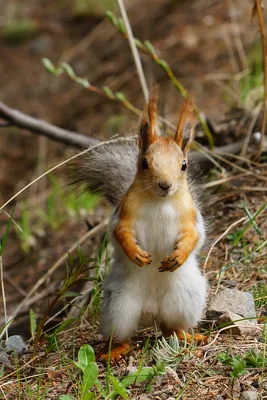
{"x": 4, "y": 359}
{"x": 242, "y": 328}
{"x": 233, "y": 300}
{"x": 16, "y": 343}
{"x": 249, "y": 395}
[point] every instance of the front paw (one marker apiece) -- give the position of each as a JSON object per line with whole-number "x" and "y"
{"x": 139, "y": 257}
{"x": 174, "y": 261}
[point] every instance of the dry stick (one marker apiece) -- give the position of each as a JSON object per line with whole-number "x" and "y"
{"x": 134, "y": 50}
{"x": 18, "y": 370}
{"x": 17, "y": 118}
{"x": 264, "y": 60}
{"x": 41, "y": 127}
{"x": 223, "y": 159}
{"x": 249, "y": 132}
{"x": 83, "y": 296}
{"x": 54, "y": 267}
{"x": 222, "y": 180}
{"x": 220, "y": 237}
{"x": 3, "y": 296}
{"x": 224, "y": 329}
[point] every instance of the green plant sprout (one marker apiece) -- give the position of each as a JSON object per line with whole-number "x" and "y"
{"x": 74, "y": 275}
{"x": 149, "y": 49}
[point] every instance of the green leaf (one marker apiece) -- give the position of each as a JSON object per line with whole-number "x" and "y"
{"x": 113, "y": 19}
{"x": 121, "y": 26}
{"x": 88, "y": 396}
{"x": 163, "y": 64}
{"x": 144, "y": 374}
{"x": 33, "y": 322}
{"x": 86, "y": 355}
{"x": 118, "y": 387}
{"x": 49, "y": 66}
{"x": 83, "y": 82}
{"x": 68, "y": 69}
{"x": 120, "y": 96}
{"x": 70, "y": 294}
{"x": 149, "y": 47}
{"x": 89, "y": 378}
{"x": 66, "y": 397}
{"x": 251, "y": 220}
{"x": 108, "y": 92}
{"x": 5, "y": 325}
{"x": 64, "y": 325}
{"x": 138, "y": 43}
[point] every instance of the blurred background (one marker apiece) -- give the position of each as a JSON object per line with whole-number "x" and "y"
{"x": 212, "y": 48}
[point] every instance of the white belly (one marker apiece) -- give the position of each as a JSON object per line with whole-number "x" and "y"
{"x": 157, "y": 228}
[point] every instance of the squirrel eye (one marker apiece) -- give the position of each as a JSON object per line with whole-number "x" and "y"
{"x": 184, "y": 166}
{"x": 144, "y": 164}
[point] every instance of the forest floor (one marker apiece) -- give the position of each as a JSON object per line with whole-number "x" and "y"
{"x": 211, "y": 46}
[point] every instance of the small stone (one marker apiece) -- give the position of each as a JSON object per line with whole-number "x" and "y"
{"x": 230, "y": 283}
{"x": 233, "y": 300}
{"x": 242, "y": 328}
{"x": 249, "y": 395}
{"x": 4, "y": 359}
{"x": 16, "y": 343}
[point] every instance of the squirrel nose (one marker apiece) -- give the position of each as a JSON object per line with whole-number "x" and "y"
{"x": 164, "y": 185}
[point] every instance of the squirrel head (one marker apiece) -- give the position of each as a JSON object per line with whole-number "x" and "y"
{"x": 163, "y": 160}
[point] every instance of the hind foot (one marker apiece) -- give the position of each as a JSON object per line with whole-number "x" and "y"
{"x": 118, "y": 350}
{"x": 197, "y": 338}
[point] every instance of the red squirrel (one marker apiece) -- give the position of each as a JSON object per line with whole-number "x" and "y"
{"x": 156, "y": 230}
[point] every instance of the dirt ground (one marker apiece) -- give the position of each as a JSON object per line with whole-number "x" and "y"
{"x": 207, "y": 44}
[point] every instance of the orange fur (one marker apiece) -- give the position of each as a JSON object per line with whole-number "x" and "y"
{"x": 181, "y": 335}
{"x": 147, "y": 134}
{"x": 186, "y": 121}
{"x": 117, "y": 351}
{"x": 124, "y": 232}
{"x": 143, "y": 188}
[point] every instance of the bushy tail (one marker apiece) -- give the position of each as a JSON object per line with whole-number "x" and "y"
{"x": 108, "y": 169}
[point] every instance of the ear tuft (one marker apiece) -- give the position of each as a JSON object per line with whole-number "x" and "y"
{"x": 186, "y": 125}
{"x": 147, "y": 133}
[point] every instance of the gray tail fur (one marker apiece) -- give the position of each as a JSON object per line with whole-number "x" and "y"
{"x": 108, "y": 169}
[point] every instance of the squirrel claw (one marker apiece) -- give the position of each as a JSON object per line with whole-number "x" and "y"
{"x": 170, "y": 263}
{"x": 141, "y": 257}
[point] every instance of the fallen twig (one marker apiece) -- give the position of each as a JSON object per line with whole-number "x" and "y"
{"x": 17, "y": 118}
{"x": 264, "y": 62}
{"x": 80, "y": 141}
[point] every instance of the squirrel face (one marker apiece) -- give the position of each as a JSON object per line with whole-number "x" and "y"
{"x": 163, "y": 167}
{"x": 163, "y": 161}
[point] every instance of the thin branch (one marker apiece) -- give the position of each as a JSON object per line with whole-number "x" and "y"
{"x": 74, "y": 139}
{"x": 264, "y": 61}
{"x": 3, "y": 296}
{"x": 134, "y": 50}
{"x": 17, "y": 118}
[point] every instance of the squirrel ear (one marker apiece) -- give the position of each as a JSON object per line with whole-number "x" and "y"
{"x": 147, "y": 134}
{"x": 186, "y": 126}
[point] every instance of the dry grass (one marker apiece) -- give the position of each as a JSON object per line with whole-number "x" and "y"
{"x": 200, "y": 375}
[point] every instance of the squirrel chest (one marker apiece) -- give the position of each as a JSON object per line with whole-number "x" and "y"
{"x": 157, "y": 227}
